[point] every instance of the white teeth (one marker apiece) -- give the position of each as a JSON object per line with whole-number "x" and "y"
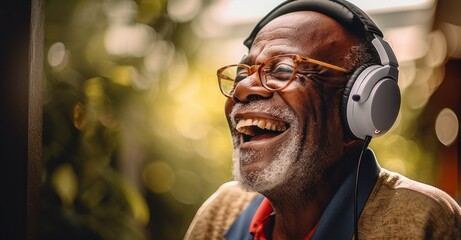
{"x": 268, "y": 125}
{"x": 261, "y": 124}
{"x": 245, "y": 125}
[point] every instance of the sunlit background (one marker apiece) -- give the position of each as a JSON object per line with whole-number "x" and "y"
{"x": 135, "y": 137}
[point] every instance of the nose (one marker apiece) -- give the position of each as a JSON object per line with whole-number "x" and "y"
{"x": 250, "y": 89}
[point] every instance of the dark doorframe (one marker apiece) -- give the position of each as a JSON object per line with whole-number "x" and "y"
{"x": 447, "y": 96}
{"x": 21, "y": 78}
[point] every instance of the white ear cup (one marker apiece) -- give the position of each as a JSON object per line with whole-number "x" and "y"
{"x": 374, "y": 102}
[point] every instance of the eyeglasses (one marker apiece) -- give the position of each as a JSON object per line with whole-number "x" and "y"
{"x": 275, "y": 73}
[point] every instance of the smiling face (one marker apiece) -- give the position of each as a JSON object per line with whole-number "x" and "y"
{"x": 287, "y": 139}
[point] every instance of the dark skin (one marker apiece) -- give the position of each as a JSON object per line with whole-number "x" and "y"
{"x": 316, "y": 106}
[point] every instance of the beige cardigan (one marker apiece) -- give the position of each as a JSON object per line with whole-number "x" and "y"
{"x": 398, "y": 208}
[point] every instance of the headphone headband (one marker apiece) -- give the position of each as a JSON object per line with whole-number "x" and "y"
{"x": 346, "y": 13}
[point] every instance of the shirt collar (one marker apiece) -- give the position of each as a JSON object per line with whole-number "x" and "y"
{"x": 263, "y": 222}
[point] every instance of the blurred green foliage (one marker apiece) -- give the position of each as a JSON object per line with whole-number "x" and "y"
{"x": 130, "y": 147}
{"x": 134, "y": 133}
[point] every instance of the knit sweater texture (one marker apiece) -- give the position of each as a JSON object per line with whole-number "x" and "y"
{"x": 397, "y": 208}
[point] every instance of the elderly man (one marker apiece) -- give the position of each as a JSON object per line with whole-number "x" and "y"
{"x": 317, "y": 83}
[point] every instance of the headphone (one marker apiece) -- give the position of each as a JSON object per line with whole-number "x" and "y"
{"x": 371, "y": 98}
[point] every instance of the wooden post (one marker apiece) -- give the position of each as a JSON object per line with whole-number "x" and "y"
{"x": 21, "y": 77}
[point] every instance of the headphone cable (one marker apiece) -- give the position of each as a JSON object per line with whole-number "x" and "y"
{"x": 356, "y": 218}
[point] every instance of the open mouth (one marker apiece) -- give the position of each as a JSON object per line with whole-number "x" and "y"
{"x": 253, "y": 129}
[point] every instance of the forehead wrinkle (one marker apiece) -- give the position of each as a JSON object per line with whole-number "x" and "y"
{"x": 268, "y": 34}
{"x": 261, "y": 50}
{"x": 274, "y": 50}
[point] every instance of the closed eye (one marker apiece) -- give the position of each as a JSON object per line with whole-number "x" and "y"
{"x": 282, "y": 72}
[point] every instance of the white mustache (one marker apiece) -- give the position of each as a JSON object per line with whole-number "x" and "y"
{"x": 284, "y": 114}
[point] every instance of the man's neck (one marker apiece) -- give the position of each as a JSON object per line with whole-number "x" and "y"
{"x": 292, "y": 207}
{"x": 287, "y": 221}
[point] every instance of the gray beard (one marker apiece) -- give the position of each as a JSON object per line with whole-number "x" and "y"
{"x": 271, "y": 176}
{"x": 294, "y": 171}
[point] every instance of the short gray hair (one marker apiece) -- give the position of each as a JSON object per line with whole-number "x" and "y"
{"x": 361, "y": 54}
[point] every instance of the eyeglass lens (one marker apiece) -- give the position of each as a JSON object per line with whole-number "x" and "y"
{"x": 274, "y": 74}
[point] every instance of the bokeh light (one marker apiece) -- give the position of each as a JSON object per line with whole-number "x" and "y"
{"x": 158, "y": 177}
{"x": 57, "y": 56}
{"x": 447, "y": 126}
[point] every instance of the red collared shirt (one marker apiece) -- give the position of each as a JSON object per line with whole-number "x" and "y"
{"x": 263, "y": 222}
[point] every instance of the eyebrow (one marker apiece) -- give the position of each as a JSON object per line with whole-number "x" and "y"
{"x": 246, "y": 59}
